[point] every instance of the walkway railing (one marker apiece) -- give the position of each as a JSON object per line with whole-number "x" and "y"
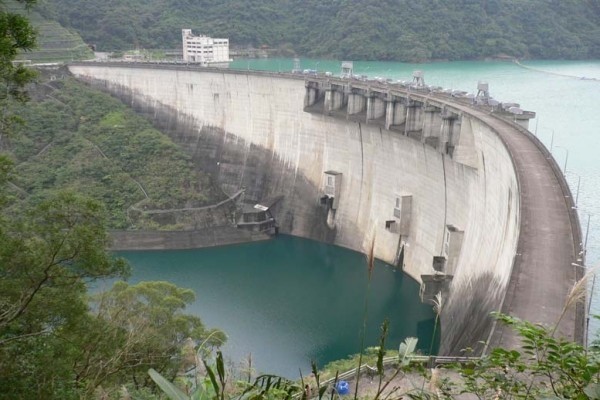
{"x": 431, "y": 361}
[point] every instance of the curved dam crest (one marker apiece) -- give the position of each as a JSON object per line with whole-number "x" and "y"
{"x": 451, "y": 220}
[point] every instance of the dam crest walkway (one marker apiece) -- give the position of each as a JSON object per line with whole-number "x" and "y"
{"x": 549, "y": 255}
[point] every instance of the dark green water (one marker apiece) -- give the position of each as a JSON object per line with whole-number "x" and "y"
{"x": 290, "y": 300}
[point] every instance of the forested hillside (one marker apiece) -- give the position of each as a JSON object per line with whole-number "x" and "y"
{"x": 407, "y": 30}
{"x": 76, "y": 138}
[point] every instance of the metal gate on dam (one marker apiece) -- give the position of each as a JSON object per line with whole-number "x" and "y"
{"x": 460, "y": 196}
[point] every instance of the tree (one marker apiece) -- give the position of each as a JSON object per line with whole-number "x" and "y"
{"x": 133, "y": 328}
{"x": 48, "y": 252}
{"x": 16, "y": 35}
{"x": 56, "y": 244}
{"x": 356, "y": 29}
{"x": 53, "y": 342}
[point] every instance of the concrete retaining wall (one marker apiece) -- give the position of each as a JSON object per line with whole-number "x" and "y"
{"x": 250, "y": 130}
{"x": 178, "y": 240}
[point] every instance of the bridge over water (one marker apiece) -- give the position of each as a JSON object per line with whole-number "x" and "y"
{"x": 460, "y": 197}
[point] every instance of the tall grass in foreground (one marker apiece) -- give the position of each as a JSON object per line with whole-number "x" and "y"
{"x": 370, "y": 267}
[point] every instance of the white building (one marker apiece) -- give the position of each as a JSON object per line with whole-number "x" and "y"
{"x": 203, "y": 49}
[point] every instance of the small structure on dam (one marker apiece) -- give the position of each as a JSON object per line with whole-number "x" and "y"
{"x": 452, "y": 187}
{"x": 258, "y": 217}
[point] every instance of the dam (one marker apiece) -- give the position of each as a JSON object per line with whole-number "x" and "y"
{"x": 466, "y": 202}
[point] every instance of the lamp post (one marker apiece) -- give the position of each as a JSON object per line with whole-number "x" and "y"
{"x": 551, "y": 138}
{"x": 566, "y": 157}
{"x": 577, "y": 194}
{"x": 578, "y": 185}
{"x": 587, "y": 231}
{"x": 588, "y": 306}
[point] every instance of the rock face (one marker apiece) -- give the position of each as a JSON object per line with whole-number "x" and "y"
{"x": 449, "y": 220}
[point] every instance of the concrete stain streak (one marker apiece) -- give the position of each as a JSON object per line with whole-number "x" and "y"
{"x": 362, "y": 168}
{"x": 445, "y": 202}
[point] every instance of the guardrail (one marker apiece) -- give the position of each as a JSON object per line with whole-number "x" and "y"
{"x": 431, "y": 361}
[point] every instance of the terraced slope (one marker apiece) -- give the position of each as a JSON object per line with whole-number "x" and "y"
{"x": 55, "y": 42}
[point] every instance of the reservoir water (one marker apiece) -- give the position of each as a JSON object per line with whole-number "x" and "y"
{"x": 291, "y": 300}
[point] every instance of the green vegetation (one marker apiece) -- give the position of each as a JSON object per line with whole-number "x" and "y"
{"x": 369, "y": 359}
{"x": 54, "y": 342}
{"x": 546, "y": 367}
{"x": 74, "y": 137}
{"x": 216, "y": 384}
{"x": 47, "y": 252}
{"x": 404, "y": 30}
{"x": 55, "y": 43}
{"x": 16, "y": 35}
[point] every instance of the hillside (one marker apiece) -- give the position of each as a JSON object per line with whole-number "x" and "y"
{"x": 74, "y": 137}
{"x": 55, "y": 43}
{"x": 405, "y": 30}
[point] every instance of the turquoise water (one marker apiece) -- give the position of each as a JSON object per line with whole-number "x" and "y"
{"x": 290, "y": 300}
{"x": 567, "y": 120}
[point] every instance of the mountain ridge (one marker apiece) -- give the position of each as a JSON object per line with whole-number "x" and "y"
{"x": 399, "y": 30}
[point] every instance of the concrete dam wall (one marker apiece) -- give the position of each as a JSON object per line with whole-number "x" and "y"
{"x": 446, "y": 210}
